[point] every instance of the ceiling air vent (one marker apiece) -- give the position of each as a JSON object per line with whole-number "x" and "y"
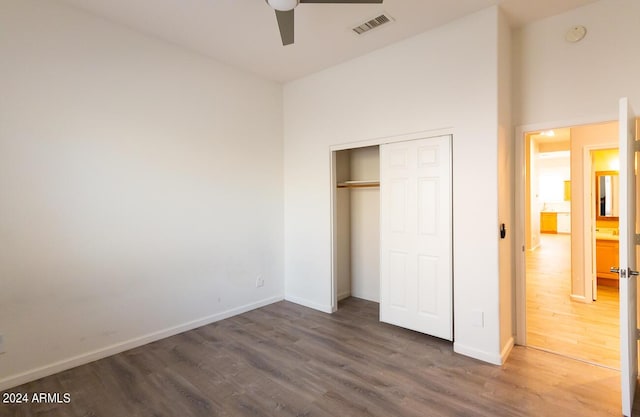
{"x": 372, "y": 24}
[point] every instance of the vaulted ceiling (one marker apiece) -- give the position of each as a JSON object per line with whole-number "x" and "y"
{"x": 244, "y": 33}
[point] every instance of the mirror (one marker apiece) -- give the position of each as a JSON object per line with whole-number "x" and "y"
{"x": 607, "y": 189}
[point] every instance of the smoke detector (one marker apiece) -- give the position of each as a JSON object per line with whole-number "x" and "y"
{"x": 575, "y": 34}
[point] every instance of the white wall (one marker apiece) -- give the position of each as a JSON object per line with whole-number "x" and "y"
{"x": 141, "y": 189}
{"x": 506, "y": 191}
{"x": 552, "y": 172}
{"x": 442, "y": 79}
{"x": 561, "y": 81}
{"x": 342, "y": 224}
{"x": 603, "y": 135}
{"x": 365, "y": 225}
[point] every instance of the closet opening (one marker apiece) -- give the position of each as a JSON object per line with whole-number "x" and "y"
{"x": 392, "y": 234}
{"x": 356, "y": 223}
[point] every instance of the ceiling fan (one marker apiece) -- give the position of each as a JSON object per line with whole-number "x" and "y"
{"x": 284, "y": 13}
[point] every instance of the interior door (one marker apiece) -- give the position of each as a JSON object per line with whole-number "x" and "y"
{"x": 416, "y": 236}
{"x": 628, "y": 267}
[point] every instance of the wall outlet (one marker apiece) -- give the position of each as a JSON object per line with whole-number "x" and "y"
{"x": 2, "y": 344}
{"x": 477, "y": 318}
{"x": 259, "y": 281}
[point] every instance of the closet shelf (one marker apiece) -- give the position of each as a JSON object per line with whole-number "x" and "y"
{"x": 358, "y": 184}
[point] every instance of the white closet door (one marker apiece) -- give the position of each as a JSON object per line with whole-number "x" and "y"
{"x": 415, "y": 236}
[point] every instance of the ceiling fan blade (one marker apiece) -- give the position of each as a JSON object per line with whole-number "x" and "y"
{"x": 342, "y": 1}
{"x": 285, "y": 23}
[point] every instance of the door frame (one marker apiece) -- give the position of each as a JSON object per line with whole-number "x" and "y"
{"x": 425, "y": 134}
{"x": 520, "y": 209}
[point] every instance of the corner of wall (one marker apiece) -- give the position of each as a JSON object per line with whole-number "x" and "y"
{"x": 310, "y": 304}
{"x": 492, "y": 358}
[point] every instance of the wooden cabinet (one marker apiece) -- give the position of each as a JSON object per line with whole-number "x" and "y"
{"x": 548, "y": 222}
{"x": 554, "y": 222}
{"x": 606, "y": 257}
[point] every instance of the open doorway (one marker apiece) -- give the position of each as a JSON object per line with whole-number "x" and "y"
{"x": 571, "y": 304}
{"x": 356, "y": 219}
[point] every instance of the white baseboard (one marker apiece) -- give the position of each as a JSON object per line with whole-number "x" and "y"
{"x": 366, "y": 297}
{"x": 63, "y": 365}
{"x": 579, "y": 298}
{"x": 492, "y": 358}
{"x": 506, "y": 350}
{"x": 310, "y": 304}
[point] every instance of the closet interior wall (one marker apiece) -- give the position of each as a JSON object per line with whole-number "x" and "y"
{"x": 357, "y": 216}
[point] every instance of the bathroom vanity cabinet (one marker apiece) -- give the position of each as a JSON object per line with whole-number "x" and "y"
{"x": 606, "y": 257}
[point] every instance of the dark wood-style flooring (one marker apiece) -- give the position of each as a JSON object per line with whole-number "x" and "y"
{"x": 288, "y": 360}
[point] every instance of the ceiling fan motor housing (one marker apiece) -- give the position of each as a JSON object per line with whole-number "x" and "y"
{"x": 283, "y": 5}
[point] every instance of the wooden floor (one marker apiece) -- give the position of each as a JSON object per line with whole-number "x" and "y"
{"x": 288, "y": 360}
{"x": 589, "y": 332}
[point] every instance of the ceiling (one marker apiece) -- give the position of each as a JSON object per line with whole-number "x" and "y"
{"x": 244, "y": 33}
{"x": 556, "y": 141}
{"x": 557, "y": 135}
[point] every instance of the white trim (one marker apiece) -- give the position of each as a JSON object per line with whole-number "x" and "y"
{"x": 506, "y": 350}
{"x": 587, "y": 225}
{"x": 589, "y": 221}
{"x": 334, "y": 232}
{"x": 477, "y": 354}
{"x": 520, "y": 179}
{"x": 579, "y": 121}
{"x": 311, "y": 304}
{"x": 580, "y": 299}
{"x": 84, "y": 358}
{"x": 424, "y": 134}
{"x": 520, "y": 184}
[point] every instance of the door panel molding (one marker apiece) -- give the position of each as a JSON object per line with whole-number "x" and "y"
{"x": 425, "y": 279}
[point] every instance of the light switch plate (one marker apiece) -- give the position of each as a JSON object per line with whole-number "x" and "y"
{"x": 2, "y": 344}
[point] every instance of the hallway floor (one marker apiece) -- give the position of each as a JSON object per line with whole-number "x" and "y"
{"x": 588, "y": 332}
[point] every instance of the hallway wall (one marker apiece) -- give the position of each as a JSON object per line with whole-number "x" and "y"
{"x": 583, "y": 137}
